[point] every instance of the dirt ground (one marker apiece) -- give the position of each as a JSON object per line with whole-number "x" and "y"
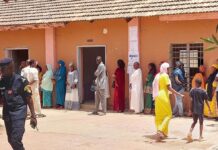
{"x": 77, "y": 130}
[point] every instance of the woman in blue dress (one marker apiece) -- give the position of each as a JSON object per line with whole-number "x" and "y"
{"x": 60, "y": 77}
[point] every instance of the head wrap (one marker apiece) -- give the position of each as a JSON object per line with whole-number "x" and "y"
{"x": 215, "y": 66}
{"x": 163, "y": 70}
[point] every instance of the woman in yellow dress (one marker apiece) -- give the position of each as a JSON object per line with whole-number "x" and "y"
{"x": 211, "y": 88}
{"x": 163, "y": 111}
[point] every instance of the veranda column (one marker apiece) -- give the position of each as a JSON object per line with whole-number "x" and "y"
{"x": 50, "y": 52}
{"x": 133, "y": 46}
{"x": 133, "y": 43}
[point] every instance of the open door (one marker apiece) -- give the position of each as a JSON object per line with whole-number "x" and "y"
{"x": 87, "y": 67}
{"x": 18, "y": 55}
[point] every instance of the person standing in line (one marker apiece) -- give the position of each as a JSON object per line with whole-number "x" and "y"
{"x": 200, "y": 75}
{"x": 72, "y": 96}
{"x": 178, "y": 84}
{"x": 211, "y": 85}
{"x": 119, "y": 87}
{"x": 107, "y": 93}
{"x": 163, "y": 111}
{"x": 149, "y": 103}
{"x": 100, "y": 93}
{"x": 60, "y": 77}
{"x": 25, "y": 72}
{"x": 198, "y": 96}
{"x": 40, "y": 74}
{"x": 47, "y": 87}
{"x": 34, "y": 84}
{"x": 136, "y": 87}
{"x": 16, "y": 95}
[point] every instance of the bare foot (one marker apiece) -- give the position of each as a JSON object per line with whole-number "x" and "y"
{"x": 189, "y": 138}
{"x": 159, "y": 136}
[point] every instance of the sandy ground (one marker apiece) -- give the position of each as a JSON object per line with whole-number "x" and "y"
{"x": 76, "y": 130}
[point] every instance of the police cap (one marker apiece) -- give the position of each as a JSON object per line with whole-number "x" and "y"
{"x": 5, "y": 62}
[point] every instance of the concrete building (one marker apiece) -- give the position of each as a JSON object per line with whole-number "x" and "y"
{"x": 78, "y": 31}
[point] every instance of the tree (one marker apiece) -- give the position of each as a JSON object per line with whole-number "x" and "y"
{"x": 213, "y": 41}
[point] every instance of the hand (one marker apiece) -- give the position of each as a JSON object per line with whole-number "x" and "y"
{"x": 33, "y": 122}
{"x": 181, "y": 95}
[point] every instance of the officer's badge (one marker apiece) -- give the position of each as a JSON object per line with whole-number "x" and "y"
{"x": 27, "y": 89}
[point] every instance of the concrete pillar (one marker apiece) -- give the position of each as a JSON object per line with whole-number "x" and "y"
{"x": 133, "y": 46}
{"x": 50, "y": 51}
{"x": 133, "y": 43}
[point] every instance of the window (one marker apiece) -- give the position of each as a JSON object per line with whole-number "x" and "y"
{"x": 192, "y": 57}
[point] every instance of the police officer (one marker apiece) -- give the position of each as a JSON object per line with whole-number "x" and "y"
{"x": 16, "y": 95}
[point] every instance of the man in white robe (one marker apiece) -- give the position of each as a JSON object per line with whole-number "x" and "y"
{"x": 136, "y": 90}
{"x": 25, "y": 72}
{"x": 34, "y": 84}
{"x": 31, "y": 74}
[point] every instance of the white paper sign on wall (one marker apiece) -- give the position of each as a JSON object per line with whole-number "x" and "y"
{"x": 133, "y": 54}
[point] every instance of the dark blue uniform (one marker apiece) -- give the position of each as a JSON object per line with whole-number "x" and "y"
{"x": 14, "y": 91}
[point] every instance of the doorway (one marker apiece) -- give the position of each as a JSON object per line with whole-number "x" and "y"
{"x": 87, "y": 67}
{"x": 18, "y": 55}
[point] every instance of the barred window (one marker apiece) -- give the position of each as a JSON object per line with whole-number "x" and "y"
{"x": 191, "y": 55}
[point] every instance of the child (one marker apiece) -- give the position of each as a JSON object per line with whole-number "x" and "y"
{"x": 198, "y": 96}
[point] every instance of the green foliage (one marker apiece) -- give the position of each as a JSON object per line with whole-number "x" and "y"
{"x": 213, "y": 41}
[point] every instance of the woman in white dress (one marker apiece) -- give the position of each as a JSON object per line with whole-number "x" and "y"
{"x": 72, "y": 96}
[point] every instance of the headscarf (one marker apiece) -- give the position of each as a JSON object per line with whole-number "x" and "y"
{"x": 49, "y": 71}
{"x": 163, "y": 70}
{"x": 46, "y": 79}
{"x": 72, "y": 65}
{"x": 62, "y": 69}
{"x": 215, "y": 66}
{"x": 210, "y": 81}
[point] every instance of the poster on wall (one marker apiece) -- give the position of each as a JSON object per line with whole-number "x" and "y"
{"x": 133, "y": 54}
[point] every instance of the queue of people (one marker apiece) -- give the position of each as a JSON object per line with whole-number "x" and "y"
{"x": 141, "y": 97}
{"x": 156, "y": 92}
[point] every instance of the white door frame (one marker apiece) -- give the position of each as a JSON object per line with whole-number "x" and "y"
{"x": 79, "y": 66}
{"x": 8, "y": 51}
